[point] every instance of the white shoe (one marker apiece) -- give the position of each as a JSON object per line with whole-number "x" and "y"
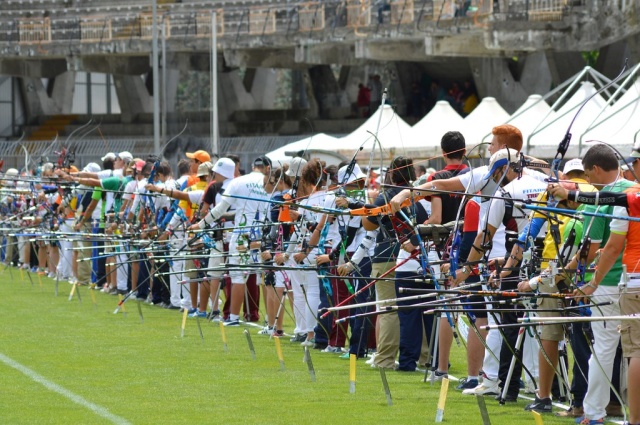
{"x": 307, "y": 343}
{"x": 488, "y": 387}
{"x": 51, "y": 275}
{"x": 437, "y": 376}
{"x": 371, "y": 359}
{"x": 265, "y": 331}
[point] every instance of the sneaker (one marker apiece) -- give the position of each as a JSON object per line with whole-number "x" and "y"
{"x": 232, "y": 322}
{"x": 200, "y": 314}
{"x": 371, "y": 359}
{"x": 192, "y": 310}
{"x": 488, "y": 387}
{"x": 614, "y": 409}
{"x": 331, "y": 349}
{"x": 345, "y": 356}
{"x": 24, "y": 267}
{"x": 540, "y": 405}
{"x": 172, "y": 307}
{"x": 573, "y": 412}
{"x": 583, "y": 420}
{"x": 215, "y": 317}
{"x": 267, "y": 330}
{"x": 437, "y": 376}
{"x": 308, "y": 342}
{"x": 319, "y": 345}
{"x": 113, "y": 291}
{"x": 51, "y": 275}
{"x": 299, "y": 338}
{"x": 73, "y": 281}
{"x": 467, "y": 384}
{"x": 33, "y": 269}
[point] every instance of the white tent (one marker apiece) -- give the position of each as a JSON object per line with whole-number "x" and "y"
{"x": 427, "y": 132}
{"x": 479, "y": 123}
{"x": 619, "y": 122}
{"x": 319, "y": 145}
{"x": 544, "y": 142}
{"x": 533, "y": 111}
{"x": 393, "y": 133}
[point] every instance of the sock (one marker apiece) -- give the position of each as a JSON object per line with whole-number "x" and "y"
{"x": 469, "y": 378}
{"x": 233, "y": 317}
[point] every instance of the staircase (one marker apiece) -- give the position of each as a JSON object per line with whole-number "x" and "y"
{"x": 53, "y": 126}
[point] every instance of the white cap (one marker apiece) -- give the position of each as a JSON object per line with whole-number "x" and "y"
{"x": 11, "y": 172}
{"x": 91, "y": 167}
{"x": 110, "y": 155}
{"x": 125, "y": 156}
{"x": 355, "y": 174}
{"x": 573, "y": 165}
{"x": 204, "y": 169}
{"x": 501, "y": 158}
{"x": 225, "y": 167}
{"x": 295, "y": 167}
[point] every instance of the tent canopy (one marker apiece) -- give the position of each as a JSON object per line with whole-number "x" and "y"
{"x": 427, "y": 132}
{"x": 478, "y": 123}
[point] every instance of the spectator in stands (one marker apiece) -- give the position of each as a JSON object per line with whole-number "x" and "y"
{"x": 469, "y": 98}
{"x": 364, "y": 99}
{"x": 415, "y": 107}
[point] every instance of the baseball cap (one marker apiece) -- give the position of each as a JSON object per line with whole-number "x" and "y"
{"x": 225, "y": 167}
{"x": 500, "y": 159}
{"x": 295, "y": 166}
{"x": 204, "y": 169}
{"x": 202, "y": 156}
{"x": 139, "y": 164}
{"x": 262, "y": 161}
{"x": 91, "y": 167}
{"x": 573, "y": 165}
{"x": 110, "y": 155}
{"x": 125, "y": 156}
{"x": 629, "y": 160}
{"x": 355, "y": 174}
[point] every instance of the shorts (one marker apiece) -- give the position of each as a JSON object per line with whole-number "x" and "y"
{"x": 216, "y": 259}
{"x": 630, "y": 329}
{"x": 550, "y": 332}
{"x": 240, "y": 274}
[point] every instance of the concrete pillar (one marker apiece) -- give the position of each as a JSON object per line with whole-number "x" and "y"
{"x": 611, "y": 59}
{"x": 633, "y": 48}
{"x": 37, "y": 101}
{"x": 232, "y": 94}
{"x": 302, "y": 93}
{"x": 564, "y": 65}
{"x": 493, "y": 78}
{"x": 173, "y": 78}
{"x": 332, "y": 101}
{"x": 133, "y": 96}
{"x": 263, "y": 88}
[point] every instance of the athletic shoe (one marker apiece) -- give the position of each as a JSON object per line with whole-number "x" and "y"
{"x": 319, "y": 345}
{"x": 488, "y": 387}
{"x": 345, "y": 356}
{"x": 299, "y": 338}
{"x": 371, "y": 359}
{"x": 215, "y": 317}
{"x": 51, "y": 275}
{"x": 73, "y": 281}
{"x": 192, "y": 310}
{"x": 24, "y": 267}
{"x": 540, "y": 405}
{"x": 573, "y": 412}
{"x": 614, "y": 410}
{"x": 331, "y": 349}
{"x": 113, "y": 291}
{"x": 200, "y": 314}
{"x": 583, "y": 420}
{"x": 467, "y": 384}
{"x": 171, "y": 307}
{"x": 232, "y": 322}
{"x": 267, "y": 330}
{"x": 437, "y": 376}
{"x": 308, "y": 342}
{"x": 34, "y": 270}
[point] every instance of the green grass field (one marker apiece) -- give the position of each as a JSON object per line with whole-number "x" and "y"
{"x": 145, "y": 373}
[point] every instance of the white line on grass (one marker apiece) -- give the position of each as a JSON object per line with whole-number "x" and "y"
{"x": 98, "y": 410}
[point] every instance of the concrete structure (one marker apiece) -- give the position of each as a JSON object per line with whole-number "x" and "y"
{"x": 510, "y": 48}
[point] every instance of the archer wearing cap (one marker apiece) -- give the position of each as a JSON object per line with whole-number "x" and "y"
{"x": 295, "y": 167}
{"x": 632, "y": 164}
{"x": 198, "y": 157}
